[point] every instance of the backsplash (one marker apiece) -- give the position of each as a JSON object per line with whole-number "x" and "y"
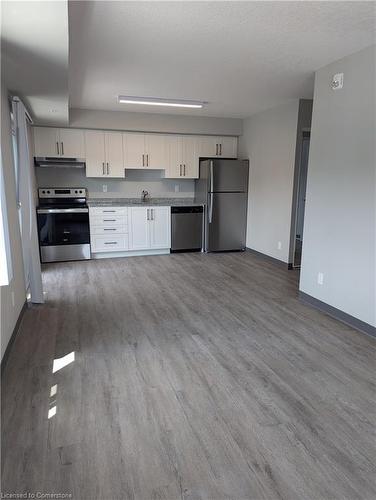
{"x": 129, "y": 187}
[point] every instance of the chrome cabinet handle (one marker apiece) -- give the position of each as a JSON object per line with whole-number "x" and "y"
{"x": 216, "y": 150}
{"x": 108, "y": 169}
{"x": 152, "y": 214}
{"x": 108, "y": 211}
{"x": 147, "y": 160}
{"x": 110, "y": 242}
{"x": 143, "y": 160}
{"x": 179, "y": 170}
{"x": 147, "y": 214}
{"x": 184, "y": 169}
{"x": 57, "y": 147}
{"x": 109, "y": 229}
{"x": 102, "y": 168}
{"x": 62, "y": 148}
{"x": 109, "y": 220}
{"x": 220, "y": 149}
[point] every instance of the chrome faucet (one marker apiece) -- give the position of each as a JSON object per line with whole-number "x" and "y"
{"x": 144, "y": 195}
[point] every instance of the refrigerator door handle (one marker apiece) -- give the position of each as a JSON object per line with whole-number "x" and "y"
{"x": 210, "y": 215}
{"x": 211, "y": 177}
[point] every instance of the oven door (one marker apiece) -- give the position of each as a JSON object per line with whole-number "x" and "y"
{"x": 63, "y": 233}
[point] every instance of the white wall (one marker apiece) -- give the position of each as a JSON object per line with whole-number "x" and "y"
{"x": 154, "y": 122}
{"x": 269, "y": 141}
{"x": 130, "y": 187}
{"x": 339, "y": 230}
{"x": 9, "y": 312}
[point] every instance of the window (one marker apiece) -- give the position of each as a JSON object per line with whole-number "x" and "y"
{"x": 5, "y": 257}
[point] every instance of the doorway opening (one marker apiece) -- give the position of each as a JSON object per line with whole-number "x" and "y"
{"x": 300, "y": 201}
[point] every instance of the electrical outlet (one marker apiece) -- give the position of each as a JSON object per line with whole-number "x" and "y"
{"x": 177, "y": 188}
{"x": 105, "y": 188}
{"x": 279, "y": 245}
{"x": 320, "y": 278}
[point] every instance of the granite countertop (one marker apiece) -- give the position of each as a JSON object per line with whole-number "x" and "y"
{"x": 122, "y": 202}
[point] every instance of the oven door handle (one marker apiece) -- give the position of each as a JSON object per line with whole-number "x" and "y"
{"x": 62, "y": 210}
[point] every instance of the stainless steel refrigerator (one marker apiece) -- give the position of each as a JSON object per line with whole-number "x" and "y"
{"x": 223, "y": 188}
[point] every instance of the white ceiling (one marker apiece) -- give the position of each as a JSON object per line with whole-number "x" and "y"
{"x": 241, "y": 57}
{"x": 34, "y": 50}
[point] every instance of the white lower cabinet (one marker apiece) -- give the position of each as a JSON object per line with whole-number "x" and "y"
{"x": 149, "y": 228}
{"x": 108, "y": 229}
{"x": 139, "y": 235}
{"x": 130, "y": 229}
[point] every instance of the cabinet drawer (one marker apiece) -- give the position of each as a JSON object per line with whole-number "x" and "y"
{"x": 109, "y": 220}
{"x": 98, "y": 211}
{"x": 107, "y": 230}
{"x": 109, "y": 243}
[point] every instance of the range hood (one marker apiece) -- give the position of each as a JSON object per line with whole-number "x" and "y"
{"x": 51, "y": 161}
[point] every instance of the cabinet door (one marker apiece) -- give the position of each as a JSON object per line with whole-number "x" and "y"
{"x": 160, "y": 227}
{"x": 156, "y": 151}
{"x": 95, "y": 153}
{"x": 228, "y": 147}
{"x": 72, "y": 143}
{"x": 189, "y": 157}
{"x": 46, "y": 141}
{"x": 134, "y": 150}
{"x": 114, "y": 154}
{"x": 175, "y": 168}
{"x": 139, "y": 231}
{"x": 207, "y": 146}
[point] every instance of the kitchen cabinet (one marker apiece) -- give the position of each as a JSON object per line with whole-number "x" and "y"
{"x": 182, "y": 157}
{"x": 108, "y": 229}
{"x": 104, "y": 154}
{"x": 145, "y": 151}
{"x": 222, "y": 147}
{"x": 149, "y": 228}
{"x": 59, "y": 142}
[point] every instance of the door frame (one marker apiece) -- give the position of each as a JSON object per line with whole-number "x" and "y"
{"x": 305, "y": 134}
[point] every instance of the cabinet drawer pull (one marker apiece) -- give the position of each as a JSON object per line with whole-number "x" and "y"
{"x": 143, "y": 160}
{"x": 110, "y": 242}
{"x": 62, "y": 148}
{"x": 109, "y": 229}
{"x": 109, "y": 220}
{"x": 220, "y": 149}
{"x": 103, "y": 168}
{"x": 108, "y": 169}
{"x": 108, "y": 211}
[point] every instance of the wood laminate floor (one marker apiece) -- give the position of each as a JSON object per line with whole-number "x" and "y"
{"x": 195, "y": 377}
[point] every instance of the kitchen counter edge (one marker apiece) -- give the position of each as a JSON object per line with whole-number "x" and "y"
{"x": 124, "y": 202}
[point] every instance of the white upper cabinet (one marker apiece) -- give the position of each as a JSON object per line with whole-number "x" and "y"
{"x": 61, "y": 142}
{"x": 114, "y": 154}
{"x": 222, "y": 147}
{"x": 46, "y": 141}
{"x": 104, "y": 154}
{"x": 72, "y": 143}
{"x": 182, "y": 157}
{"x": 134, "y": 150}
{"x": 145, "y": 151}
{"x": 228, "y": 147}
{"x": 156, "y": 151}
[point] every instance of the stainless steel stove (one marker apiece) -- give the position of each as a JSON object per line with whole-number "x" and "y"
{"x": 63, "y": 224}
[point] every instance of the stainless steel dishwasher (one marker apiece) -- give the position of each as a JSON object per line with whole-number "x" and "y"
{"x": 186, "y": 228}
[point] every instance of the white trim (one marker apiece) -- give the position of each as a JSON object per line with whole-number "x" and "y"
{"x": 132, "y": 253}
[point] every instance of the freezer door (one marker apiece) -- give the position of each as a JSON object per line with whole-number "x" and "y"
{"x": 226, "y": 220}
{"x": 229, "y": 176}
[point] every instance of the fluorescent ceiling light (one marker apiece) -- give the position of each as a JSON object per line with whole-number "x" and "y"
{"x": 156, "y": 101}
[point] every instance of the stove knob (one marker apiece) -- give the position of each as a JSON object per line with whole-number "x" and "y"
{"x": 48, "y": 192}
{"x": 76, "y": 191}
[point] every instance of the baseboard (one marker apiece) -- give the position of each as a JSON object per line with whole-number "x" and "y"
{"x": 132, "y": 253}
{"x": 280, "y": 263}
{"x": 12, "y": 338}
{"x": 335, "y": 313}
